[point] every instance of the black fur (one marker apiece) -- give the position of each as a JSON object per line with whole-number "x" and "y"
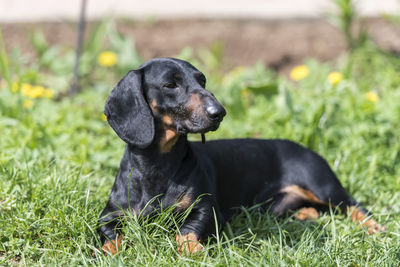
{"x": 127, "y": 111}
{"x": 230, "y": 173}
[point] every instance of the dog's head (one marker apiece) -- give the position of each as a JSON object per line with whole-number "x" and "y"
{"x": 167, "y": 91}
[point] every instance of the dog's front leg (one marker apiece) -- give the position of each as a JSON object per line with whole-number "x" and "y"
{"x": 109, "y": 229}
{"x": 199, "y": 224}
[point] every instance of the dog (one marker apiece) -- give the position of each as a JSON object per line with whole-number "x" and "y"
{"x": 153, "y": 109}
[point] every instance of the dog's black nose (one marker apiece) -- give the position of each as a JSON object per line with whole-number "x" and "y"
{"x": 215, "y": 112}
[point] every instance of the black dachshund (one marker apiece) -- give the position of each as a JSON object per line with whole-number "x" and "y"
{"x": 153, "y": 109}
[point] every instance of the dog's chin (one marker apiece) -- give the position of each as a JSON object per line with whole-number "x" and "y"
{"x": 196, "y": 129}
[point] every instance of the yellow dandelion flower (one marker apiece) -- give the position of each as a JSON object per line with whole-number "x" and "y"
{"x": 14, "y": 87}
{"x": 299, "y": 72}
{"x": 103, "y": 117}
{"x": 37, "y": 91}
{"x": 107, "y": 59}
{"x": 28, "y": 103}
{"x": 48, "y": 93}
{"x": 335, "y": 77}
{"x": 26, "y": 89}
{"x": 372, "y": 96}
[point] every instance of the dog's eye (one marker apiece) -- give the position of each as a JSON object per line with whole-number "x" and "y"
{"x": 202, "y": 81}
{"x": 171, "y": 85}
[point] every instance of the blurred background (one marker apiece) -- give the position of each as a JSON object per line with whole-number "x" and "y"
{"x": 280, "y": 34}
{"x": 323, "y": 73}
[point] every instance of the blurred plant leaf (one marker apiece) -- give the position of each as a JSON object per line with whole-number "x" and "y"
{"x": 95, "y": 42}
{"x": 39, "y": 42}
{"x": 212, "y": 58}
{"x": 128, "y": 57}
{"x": 4, "y": 62}
{"x": 313, "y": 128}
{"x": 345, "y": 19}
{"x": 266, "y": 89}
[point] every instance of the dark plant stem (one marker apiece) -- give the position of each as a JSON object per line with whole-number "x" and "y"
{"x": 80, "y": 29}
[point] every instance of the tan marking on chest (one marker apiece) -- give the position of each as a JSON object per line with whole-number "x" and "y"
{"x": 167, "y": 120}
{"x": 303, "y": 193}
{"x": 169, "y": 137}
{"x": 184, "y": 202}
{"x": 168, "y": 140}
{"x": 153, "y": 106}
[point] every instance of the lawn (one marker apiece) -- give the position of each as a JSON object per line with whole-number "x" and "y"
{"x": 59, "y": 157}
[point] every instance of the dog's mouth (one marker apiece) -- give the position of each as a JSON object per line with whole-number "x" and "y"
{"x": 197, "y": 128}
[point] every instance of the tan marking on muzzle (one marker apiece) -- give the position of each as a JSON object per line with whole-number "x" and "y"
{"x": 372, "y": 225}
{"x": 188, "y": 243}
{"x": 195, "y": 102}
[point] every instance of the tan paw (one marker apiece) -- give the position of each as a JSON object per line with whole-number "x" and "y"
{"x": 372, "y": 225}
{"x": 307, "y": 214}
{"x": 188, "y": 244}
{"x": 112, "y": 246}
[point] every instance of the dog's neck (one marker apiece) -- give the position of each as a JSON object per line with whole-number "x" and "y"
{"x": 163, "y": 158}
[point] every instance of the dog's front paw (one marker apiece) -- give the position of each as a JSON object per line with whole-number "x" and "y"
{"x": 188, "y": 244}
{"x": 112, "y": 246}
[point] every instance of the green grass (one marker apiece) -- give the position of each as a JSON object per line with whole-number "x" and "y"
{"x": 58, "y": 161}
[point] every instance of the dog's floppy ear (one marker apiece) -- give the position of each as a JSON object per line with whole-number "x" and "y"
{"x": 128, "y": 113}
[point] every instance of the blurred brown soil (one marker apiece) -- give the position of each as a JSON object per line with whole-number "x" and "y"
{"x": 279, "y": 44}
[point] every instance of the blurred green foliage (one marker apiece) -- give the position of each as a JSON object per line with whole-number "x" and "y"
{"x": 347, "y": 20}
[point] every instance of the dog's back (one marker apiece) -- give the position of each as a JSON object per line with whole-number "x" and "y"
{"x": 248, "y": 171}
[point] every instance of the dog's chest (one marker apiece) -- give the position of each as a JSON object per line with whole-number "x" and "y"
{"x": 177, "y": 197}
